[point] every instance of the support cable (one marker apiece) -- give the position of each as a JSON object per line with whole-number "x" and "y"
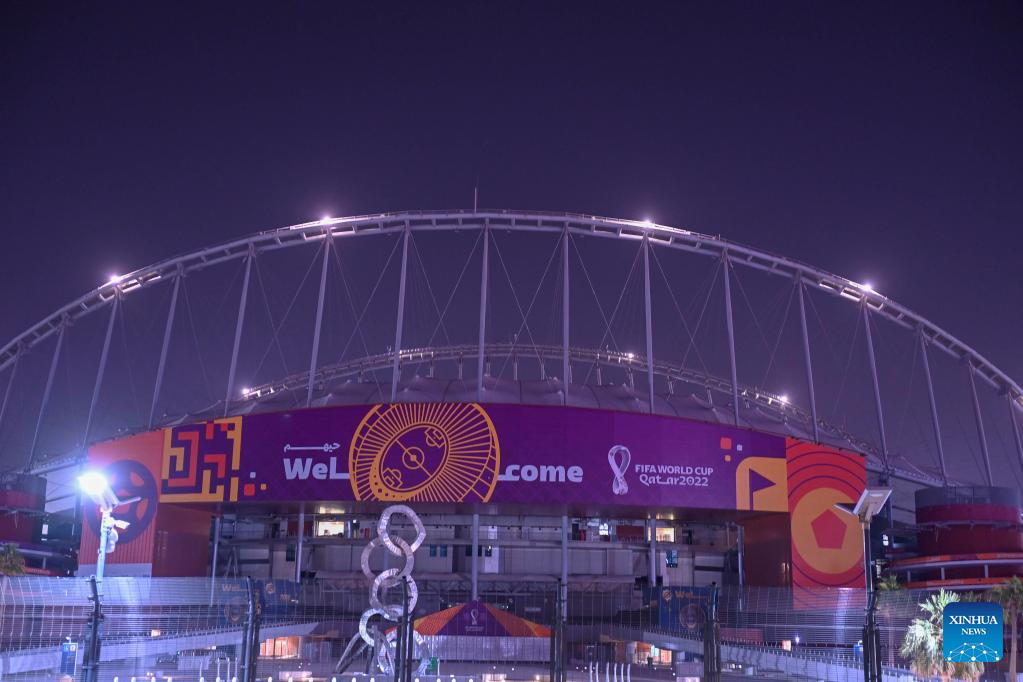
{"x": 536, "y": 292}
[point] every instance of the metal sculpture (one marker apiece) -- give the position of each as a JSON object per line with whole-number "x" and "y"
{"x": 370, "y": 636}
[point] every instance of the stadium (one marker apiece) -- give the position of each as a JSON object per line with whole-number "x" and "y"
{"x": 604, "y": 425}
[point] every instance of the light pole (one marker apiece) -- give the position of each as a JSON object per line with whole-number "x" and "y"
{"x": 869, "y": 505}
{"x": 97, "y": 487}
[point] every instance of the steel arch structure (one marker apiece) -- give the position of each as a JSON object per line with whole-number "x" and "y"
{"x": 564, "y": 229}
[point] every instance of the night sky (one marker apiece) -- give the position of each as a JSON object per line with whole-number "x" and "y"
{"x": 883, "y": 142}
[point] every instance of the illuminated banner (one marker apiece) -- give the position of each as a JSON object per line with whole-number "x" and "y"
{"x": 475, "y": 454}
{"x": 472, "y": 453}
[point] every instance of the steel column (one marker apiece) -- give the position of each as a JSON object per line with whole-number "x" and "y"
{"x": 213, "y": 560}
{"x": 934, "y": 405}
{"x": 653, "y": 552}
{"x": 877, "y": 388}
{"x": 740, "y": 542}
{"x": 238, "y": 331}
{"x": 649, "y": 323}
{"x": 216, "y": 546}
{"x": 46, "y": 395}
{"x": 10, "y": 386}
{"x": 162, "y": 365}
{"x": 475, "y": 556}
{"x": 563, "y": 588}
{"x": 315, "y": 354}
{"x": 103, "y": 354}
{"x": 807, "y": 360}
{"x": 980, "y": 423}
{"x": 731, "y": 335}
{"x": 1015, "y": 426}
{"x": 301, "y": 542}
{"x": 483, "y": 310}
{"x": 565, "y": 365}
{"x": 396, "y": 372}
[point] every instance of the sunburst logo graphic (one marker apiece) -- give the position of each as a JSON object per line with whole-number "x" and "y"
{"x": 425, "y": 452}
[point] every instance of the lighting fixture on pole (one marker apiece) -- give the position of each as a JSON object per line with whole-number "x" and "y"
{"x": 869, "y": 505}
{"x": 96, "y": 486}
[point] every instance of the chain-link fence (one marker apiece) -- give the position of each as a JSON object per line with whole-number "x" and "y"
{"x": 199, "y": 630}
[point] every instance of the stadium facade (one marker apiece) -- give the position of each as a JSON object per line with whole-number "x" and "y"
{"x": 570, "y": 458}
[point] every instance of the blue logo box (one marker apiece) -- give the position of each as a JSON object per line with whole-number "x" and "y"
{"x": 972, "y": 631}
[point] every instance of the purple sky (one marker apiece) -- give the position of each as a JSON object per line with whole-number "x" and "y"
{"x": 881, "y": 141}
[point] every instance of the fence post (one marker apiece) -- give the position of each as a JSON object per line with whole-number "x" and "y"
{"x": 250, "y": 635}
{"x": 90, "y": 657}
{"x": 400, "y": 648}
{"x": 553, "y": 675}
{"x": 712, "y": 641}
{"x": 410, "y": 637}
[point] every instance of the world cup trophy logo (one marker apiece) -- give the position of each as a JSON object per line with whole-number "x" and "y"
{"x": 425, "y": 452}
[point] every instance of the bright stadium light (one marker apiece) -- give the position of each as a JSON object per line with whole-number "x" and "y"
{"x": 95, "y": 485}
{"x": 784, "y": 398}
{"x": 867, "y": 286}
{"x": 114, "y": 279}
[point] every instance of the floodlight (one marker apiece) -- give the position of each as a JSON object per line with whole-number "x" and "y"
{"x": 870, "y": 504}
{"x": 95, "y": 485}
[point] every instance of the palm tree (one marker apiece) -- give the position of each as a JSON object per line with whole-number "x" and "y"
{"x": 11, "y": 562}
{"x": 923, "y": 642}
{"x": 1010, "y": 596}
{"x": 886, "y": 586}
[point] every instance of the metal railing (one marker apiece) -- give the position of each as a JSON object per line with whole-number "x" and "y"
{"x": 199, "y": 630}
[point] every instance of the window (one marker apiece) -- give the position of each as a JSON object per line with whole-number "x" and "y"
{"x": 328, "y": 528}
{"x": 665, "y": 535}
{"x": 443, "y": 550}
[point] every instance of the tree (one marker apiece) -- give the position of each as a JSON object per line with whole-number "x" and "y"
{"x": 887, "y": 586}
{"x": 11, "y": 562}
{"x": 924, "y": 640}
{"x": 889, "y": 583}
{"x": 1010, "y": 596}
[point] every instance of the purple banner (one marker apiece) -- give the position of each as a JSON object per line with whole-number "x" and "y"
{"x": 472, "y": 453}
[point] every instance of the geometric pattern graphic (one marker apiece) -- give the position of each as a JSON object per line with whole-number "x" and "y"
{"x": 827, "y": 545}
{"x": 128, "y": 478}
{"x": 974, "y": 652}
{"x": 425, "y": 452}
{"x": 761, "y": 484}
{"x": 132, "y": 467}
{"x": 202, "y": 463}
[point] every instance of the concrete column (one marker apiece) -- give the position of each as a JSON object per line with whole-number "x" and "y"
{"x": 653, "y": 552}
{"x": 301, "y": 542}
{"x": 475, "y": 556}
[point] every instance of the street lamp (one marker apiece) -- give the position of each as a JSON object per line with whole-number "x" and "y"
{"x": 96, "y": 486}
{"x": 869, "y": 505}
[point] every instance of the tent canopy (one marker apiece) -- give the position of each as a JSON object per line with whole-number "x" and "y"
{"x": 475, "y": 618}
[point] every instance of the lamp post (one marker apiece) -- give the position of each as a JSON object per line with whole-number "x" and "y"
{"x": 97, "y": 487}
{"x": 869, "y": 505}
